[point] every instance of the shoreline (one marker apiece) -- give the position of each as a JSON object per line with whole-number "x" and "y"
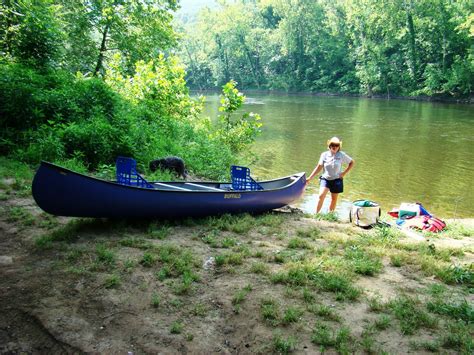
{"x": 444, "y": 99}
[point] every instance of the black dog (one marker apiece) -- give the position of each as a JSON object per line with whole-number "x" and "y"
{"x": 173, "y": 164}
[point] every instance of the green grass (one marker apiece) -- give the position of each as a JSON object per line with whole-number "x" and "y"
{"x": 240, "y": 296}
{"x": 298, "y": 243}
{"x": 105, "y": 255}
{"x": 291, "y": 315}
{"x": 462, "y": 310}
{"x": 330, "y": 217}
{"x": 20, "y": 216}
{"x": 363, "y": 262}
{"x": 260, "y": 268}
{"x": 135, "y": 242}
{"x": 411, "y": 315}
{"x": 326, "y": 337}
{"x": 67, "y": 233}
{"x": 311, "y": 233}
{"x": 270, "y": 311}
{"x": 284, "y": 345}
{"x": 158, "y": 232}
{"x": 112, "y": 281}
{"x": 324, "y": 312}
{"x": 176, "y": 327}
{"x": 155, "y": 300}
{"x": 148, "y": 259}
{"x": 458, "y": 336}
{"x": 229, "y": 259}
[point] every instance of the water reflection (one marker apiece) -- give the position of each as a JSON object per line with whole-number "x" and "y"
{"x": 405, "y": 151}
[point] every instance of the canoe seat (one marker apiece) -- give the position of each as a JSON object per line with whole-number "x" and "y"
{"x": 241, "y": 179}
{"x": 127, "y": 174}
{"x": 203, "y": 187}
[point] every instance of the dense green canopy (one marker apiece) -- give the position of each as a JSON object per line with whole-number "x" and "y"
{"x": 386, "y": 47}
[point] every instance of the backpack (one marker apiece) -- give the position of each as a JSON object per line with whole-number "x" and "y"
{"x": 364, "y": 213}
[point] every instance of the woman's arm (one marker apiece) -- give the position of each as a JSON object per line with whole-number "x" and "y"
{"x": 349, "y": 167}
{"x": 316, "y": 170}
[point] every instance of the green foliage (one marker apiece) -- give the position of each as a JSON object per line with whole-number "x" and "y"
{"x": 236, "y": 133}
{"x": 368, "y": 47}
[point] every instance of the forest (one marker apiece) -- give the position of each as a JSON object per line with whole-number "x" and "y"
{"x": 82, "y": 82}
{"x": 362, "y": 47}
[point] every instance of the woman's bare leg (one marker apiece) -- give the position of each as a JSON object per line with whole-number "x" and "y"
{"x": 332, "y": 206}
{"x": 322, "y": 195}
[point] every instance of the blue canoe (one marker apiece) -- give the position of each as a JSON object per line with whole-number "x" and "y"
{"x": 63, "y": 192}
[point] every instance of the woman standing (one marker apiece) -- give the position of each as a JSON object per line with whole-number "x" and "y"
{"x": 331, "y": 180}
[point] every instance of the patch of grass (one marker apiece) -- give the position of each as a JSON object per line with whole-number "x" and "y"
{"x": 410, "y": 314}
{"x": 311, "y": 233}
{"x": 308, "y": 296}
{"x": 457, "y": 274}
{"x": 270, "y": 219}
{"x": 270, "y": 311}
{"x": 112, "y": 281}
{"x": 240, "y": 296}
{"x": 304, "y": 275}
{"x": 158, "y": 232}
{"x": 163, "y": 273}
{"x": 322, "y": 335}
{"x": 382, "y": 323}
{"x": 176, "y": 327}
{"x": 185, "y": 284}
{"x": 199, "y": 310}
{"x": 229, "y": 242}
{"x": 458, "y": 337}
{"x": 20, "y": 215}
{"x": 330, "y": 217}
{"x": 459, "y": 311}
{"x": 282, "y": 345}
{"x": 431, "y": 346}
{"x": 211, "y": 239}
{"x": 148, "y": 259}
{"x": 129, "y": 264}
{"x": 363, "y": 262}
{"x": 325, "y": 337}
{"x": 105, "y": 256}
{"x": 239, "y": 224}
{"x": 298, "y": 243}
{"x": 135, "y": 242}
{"x": 291, "y": 315}
{"x": 325, "y": 312}
{"x": 66, "y": 233}
{"x": 75, "y": 254}
{"x": 155, "y": 300}
{"x": 229, "y": 259}
{"x": 398, "y": 259}
{"x": 376, "y": 304}
{"x": 47, "y": 221}
{"x": 259, "y": 268}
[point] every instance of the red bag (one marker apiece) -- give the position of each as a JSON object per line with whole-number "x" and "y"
{"x": 427, "y": 223}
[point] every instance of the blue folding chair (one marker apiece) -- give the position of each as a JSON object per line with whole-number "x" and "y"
{"x": 241, "y": 179}
{"x": 126, "y": 172}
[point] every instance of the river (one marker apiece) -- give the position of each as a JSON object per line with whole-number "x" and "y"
{"x": 405, "y": 151}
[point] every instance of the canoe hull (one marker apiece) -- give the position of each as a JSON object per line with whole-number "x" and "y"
{"x": 62, "y": 192}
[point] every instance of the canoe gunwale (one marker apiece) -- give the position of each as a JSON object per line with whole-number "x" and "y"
{"x": 297, "y": 176}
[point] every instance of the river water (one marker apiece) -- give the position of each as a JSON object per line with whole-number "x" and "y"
{"x": 405, "y": 151}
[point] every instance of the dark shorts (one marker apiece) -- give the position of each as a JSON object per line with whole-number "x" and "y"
{"x": 335, "y": 186}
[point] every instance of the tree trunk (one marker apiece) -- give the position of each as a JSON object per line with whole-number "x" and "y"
{"x": 412, "y": 44}
{"x": 103, "y": 48}
{"x": 249, "y": 58}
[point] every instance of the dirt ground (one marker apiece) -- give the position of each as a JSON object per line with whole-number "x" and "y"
{"x": 53, "y": 301}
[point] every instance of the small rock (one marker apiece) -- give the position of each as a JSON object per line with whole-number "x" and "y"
{"x": 6, "y": 260}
